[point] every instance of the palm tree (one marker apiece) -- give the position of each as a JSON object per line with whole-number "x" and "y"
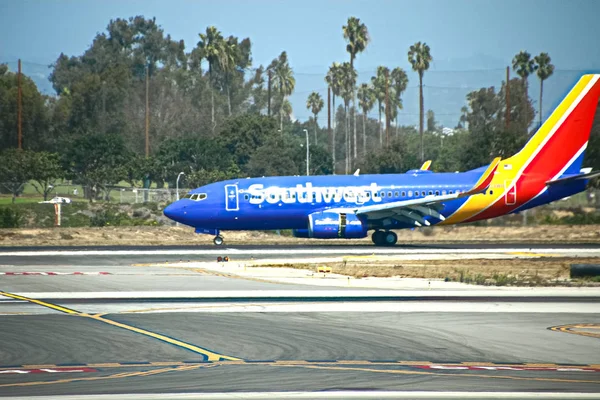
{"x": 419, "y": 57}
{"x": 464, "y": 112}
{"x": 315, "y": 105}
{"x": 236, "y": 57}
{"x": 333, "y": 80}
{"x": 285, "y": 81}
{"x": 524, "y": 66}
{"x": 366, "y": 101}
{"x": 348, "y": 81}
{"x": 212, "y": 47}
{"x": 399, "y": 83}
{"x": 544, "y": 70}
{"x": 357, "y": 36}
{"x": 378, "y": 83}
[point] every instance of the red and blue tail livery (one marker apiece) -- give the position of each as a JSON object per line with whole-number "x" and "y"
{"x": 548, "y": 168}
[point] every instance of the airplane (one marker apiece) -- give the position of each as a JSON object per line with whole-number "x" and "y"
{"x": 547, "y": 168}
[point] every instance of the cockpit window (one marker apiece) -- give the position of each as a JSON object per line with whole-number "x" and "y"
{"x": 195, "y": 196}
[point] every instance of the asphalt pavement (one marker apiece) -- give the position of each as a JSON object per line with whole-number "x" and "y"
{"x": 53, "y": 348}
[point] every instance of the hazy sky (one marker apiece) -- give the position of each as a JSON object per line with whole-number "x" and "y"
{"x": 463, "y": 35}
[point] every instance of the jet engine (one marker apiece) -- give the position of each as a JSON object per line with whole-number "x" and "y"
{"x": 333, "y": 225}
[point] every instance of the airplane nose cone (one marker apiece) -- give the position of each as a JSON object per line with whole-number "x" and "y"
{"x": 170, "y": 211}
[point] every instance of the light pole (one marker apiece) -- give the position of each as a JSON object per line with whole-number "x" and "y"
{"x": 177, "y": 184}
{"x": 307, "y": 153}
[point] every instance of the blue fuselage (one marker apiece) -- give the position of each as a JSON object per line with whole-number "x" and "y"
{"x": 286, "y": 202}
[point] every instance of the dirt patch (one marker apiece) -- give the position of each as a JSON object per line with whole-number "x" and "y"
{"x": 162, "y": 235}
{"x": 544, "y": 271}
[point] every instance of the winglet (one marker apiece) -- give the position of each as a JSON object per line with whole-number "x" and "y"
{"x": 486, "y": 178}
{"x": 357, "y": 172}
{"x": 426, "y": 165}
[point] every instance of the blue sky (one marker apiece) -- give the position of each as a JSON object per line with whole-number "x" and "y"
{"x": 477, "y": 38}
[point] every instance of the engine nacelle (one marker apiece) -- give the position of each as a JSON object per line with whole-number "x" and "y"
{"x": 333, "y": 225}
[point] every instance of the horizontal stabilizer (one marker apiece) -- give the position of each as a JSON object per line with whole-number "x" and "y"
{"x": 571, "y": 178}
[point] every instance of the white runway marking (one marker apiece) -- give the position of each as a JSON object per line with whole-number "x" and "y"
{"x": 313, "y": 251}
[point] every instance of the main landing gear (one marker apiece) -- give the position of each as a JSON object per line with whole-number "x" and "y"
{"x": 384, "y": 238}
{"x": 218, "y": 240}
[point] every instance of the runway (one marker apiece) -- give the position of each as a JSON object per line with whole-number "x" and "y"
{"x": 59, "y": 337}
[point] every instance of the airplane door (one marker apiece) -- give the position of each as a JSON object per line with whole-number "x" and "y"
{"x": 231, "y": 198}
{"x": 510, "y": 197}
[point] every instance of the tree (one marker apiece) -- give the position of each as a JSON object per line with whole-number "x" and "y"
{"x": 357, "y": 36}
{"x": 366, "y": 101}
{"x": 419, "y": 57}
{"x": 399, "y": 83}
{"x": 285, "y": 81}
{"x": 524, "y": 66}
{"x": 379, "y": 82}
{"x": 212, "y": 46}
{"x": 315, "y": 105}
{"x": 333, "y": 79}
{"x": 242, "y": 135}
{"x": 35, "y": 124}
{"x": 96, "y": 160}
{"x": 45, "y": 171}
{"x": 431, "y": 123}
{"x": 236, "y": 58}
{"x": 15, "y": 170}
{"x": 348, "y": 80}
{"x": 544, "y": 69}
{"x": 392, "y": 159}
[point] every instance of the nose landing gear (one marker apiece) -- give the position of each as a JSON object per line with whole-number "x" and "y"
{"x": 384, "y": 238}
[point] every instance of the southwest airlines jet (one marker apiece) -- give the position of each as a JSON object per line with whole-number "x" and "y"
{"x": 548, "y": 168}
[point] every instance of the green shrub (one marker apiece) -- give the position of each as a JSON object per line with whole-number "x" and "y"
{"x": 10, "y": 218}
{"x": 110, "y": 218}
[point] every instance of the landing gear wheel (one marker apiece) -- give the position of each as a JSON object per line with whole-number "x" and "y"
{"x": 378, "y": 238}
{"x": 218, "y": 240}
{"x": 390, "y": 238}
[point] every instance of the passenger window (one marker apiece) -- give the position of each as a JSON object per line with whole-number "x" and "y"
{"x": 423, "y": 193}
{"x": 403, "y": 194}
{"x": 437, "y": 192}
{"x": 382, "y": 194}
{"x": 395, "y": 194}
{"x": 246, "y": 197}
{"x": 491, "y": 192}
{"x": 430, "y": 192}
{"x": 389, "y": 194}
{"x": 443, "y": 192}
{"x": 410, "y": 193}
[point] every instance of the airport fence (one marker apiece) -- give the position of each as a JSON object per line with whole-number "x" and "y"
{"x": 114, "y": 194}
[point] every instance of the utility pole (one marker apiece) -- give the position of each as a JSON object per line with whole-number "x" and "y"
{"x": 507, "y": 118}
{"x": 329, "y": 113}
{"x": 269, "y": 92}
{"x": 147, "y": 116}
{"x": 19, "y": 109}
{"x": 387, "y": 110}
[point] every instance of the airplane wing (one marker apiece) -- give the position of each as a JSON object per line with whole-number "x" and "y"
{"x": 426, "y": 165}
{"x": 415, "y": 210}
